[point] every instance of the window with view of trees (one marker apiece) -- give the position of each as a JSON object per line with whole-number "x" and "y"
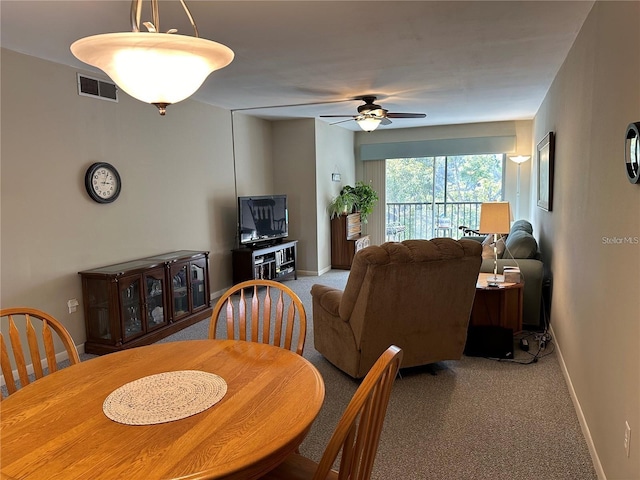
{"x": 432, "y": 196}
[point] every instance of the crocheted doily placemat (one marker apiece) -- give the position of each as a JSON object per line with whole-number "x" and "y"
{"x": 164, "y": 397}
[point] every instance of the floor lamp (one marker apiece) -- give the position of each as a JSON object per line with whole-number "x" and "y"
{"x": 495, "y": 218}
{"x": 519, "y": 160}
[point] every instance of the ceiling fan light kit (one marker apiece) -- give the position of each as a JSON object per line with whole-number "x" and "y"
{"x": 368, "y": 123}
{"x": 156, "y": 68}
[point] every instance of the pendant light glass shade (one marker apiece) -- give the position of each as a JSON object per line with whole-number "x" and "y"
{"x": 157, "y": 68}
{"x": 368, "y": 124}
{"x": 153, "y": 67}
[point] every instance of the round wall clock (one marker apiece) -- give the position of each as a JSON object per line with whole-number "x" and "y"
{"x": 632, "y": 152}
{"x": 102, "y": 181}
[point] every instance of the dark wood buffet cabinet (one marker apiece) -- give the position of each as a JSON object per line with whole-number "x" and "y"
{"x": 141, "y": 301}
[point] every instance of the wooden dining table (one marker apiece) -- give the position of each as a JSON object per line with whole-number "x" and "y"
{"x": 56, "y": 427}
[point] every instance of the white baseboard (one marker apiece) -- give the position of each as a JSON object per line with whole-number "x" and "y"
{"x": 581, "y": 418}
{"x": 325, "y": 270}
{"x": 216, "y": 295}
{"x": 311, "y": 273}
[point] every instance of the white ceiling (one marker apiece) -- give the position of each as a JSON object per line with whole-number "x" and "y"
{"x": 456, "y": 61}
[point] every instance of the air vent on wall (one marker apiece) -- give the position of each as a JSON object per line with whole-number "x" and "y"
{"x": 93, "y": 87}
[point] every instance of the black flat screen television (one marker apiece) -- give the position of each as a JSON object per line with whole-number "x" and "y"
{"x": 262, "y": 219}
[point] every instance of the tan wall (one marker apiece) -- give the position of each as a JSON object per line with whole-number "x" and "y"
{"x": 524, "y": 146}
{"x": 294, "y": 161}
{"x": 253, "y": 154}
{"x": 594, "y": 312}
{"x": 305, "y": 153}
{"x": 334, "y": 154}
{"x": 177, "y": 193}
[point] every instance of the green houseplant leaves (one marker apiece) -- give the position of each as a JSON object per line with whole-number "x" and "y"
{"x": 359, "y": 198}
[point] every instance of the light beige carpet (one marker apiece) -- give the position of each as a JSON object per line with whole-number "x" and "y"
{"x": 476, "y": 419}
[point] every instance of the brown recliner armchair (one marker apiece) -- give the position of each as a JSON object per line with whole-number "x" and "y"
{"x": 416, "y": 294}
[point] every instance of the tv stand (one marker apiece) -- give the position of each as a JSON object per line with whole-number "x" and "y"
{"x": 270, "y": 262}
{"x": 264, "y": 244}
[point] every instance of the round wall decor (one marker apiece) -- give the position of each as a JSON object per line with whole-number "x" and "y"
{"x": 103, "y": 183}
{"x": 632, "y": 152}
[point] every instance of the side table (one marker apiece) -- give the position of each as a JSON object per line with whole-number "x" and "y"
{"x": 497, "y": 306}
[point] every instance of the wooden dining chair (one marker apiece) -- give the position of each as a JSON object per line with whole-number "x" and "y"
{"x": 275, "y": 316}
{"x": 357, "y": 434}
{"x": 20, "y": 319}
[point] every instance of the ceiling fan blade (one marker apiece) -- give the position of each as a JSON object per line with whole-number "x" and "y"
{"x": 341, "y": 121}
{"x": 338, "y": 116}
{"x": 264, "y": 107}
{"x": 385, "y": 121}
{"x": 406, "y": 115}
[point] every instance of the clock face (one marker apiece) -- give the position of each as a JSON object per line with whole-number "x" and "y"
{"x": 102, "y": 182}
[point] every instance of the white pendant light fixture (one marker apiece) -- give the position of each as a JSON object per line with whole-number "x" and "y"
{"x": 368, "y": 123}
{"x": 156, "y": 68}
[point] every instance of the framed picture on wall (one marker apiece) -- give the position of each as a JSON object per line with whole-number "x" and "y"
{"x": 544, "y": 162}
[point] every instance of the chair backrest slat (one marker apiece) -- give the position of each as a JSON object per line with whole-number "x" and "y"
{"x": 242, "y": 317}
{"x": 34, "y": 349}
{"x": 35, "y": 337}
{"x": 289, "y": 333}
{"x": 49, "y": 348}
{"x": 18, "y": 352}
{"x": 266, "y": 317}
{"x": 277, "y": 334}
{"x": 357, "y": 434}
{"x": 7, "y": 371}
{"x": 230, "y": 315}
{"x": 255, "y": 311}
{"x": 261, "y": 336}
{"x": 346, "y": 461}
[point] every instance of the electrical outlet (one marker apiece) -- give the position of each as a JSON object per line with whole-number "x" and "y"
{"x": 627, "y": 437}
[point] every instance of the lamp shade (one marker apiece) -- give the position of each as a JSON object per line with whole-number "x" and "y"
{"x": 495, "y": 217}
{"x": 520, "y": 158}
{"x": 157, "y": 68}
{"x": 368, "y": 124}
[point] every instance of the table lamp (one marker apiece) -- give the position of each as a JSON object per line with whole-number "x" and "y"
{"x": 495, "y": 218}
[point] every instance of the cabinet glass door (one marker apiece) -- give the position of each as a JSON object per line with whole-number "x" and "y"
{"x": 198, "y": 295}
{"x": 179, "y": 279}
{"x": 99, "y": 321}
{"x": 131, "y": 304}
{"x": 154, "y": 286}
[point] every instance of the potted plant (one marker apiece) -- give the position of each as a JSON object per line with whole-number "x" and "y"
{"x": 342, "y": 204}
{"x": 359, "y": 198}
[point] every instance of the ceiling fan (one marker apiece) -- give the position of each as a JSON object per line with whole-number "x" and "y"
{"x": 371, "y": 115}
